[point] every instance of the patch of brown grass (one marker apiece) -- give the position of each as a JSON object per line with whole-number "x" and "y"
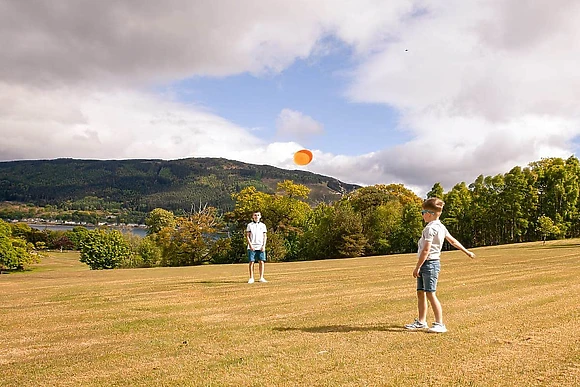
{"x": 512, "y": 315}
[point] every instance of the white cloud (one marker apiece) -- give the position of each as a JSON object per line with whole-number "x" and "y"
{"x": 121, "y": 124}
{"x": 117, "y": 124}
{"x": 127, "y": 42}
{"x": 480, "y": 86}
{"x": 296, "y": 125}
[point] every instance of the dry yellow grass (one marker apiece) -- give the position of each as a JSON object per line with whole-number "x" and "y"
{"x": 512, "y": 315}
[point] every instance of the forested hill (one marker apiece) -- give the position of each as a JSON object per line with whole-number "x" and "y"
{"x": 141, "y": 185}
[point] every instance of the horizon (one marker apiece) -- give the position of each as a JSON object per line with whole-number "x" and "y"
{"x": 419, "y": 194}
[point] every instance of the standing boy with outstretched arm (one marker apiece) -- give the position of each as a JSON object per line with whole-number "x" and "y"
{"x": 428, "y": 265}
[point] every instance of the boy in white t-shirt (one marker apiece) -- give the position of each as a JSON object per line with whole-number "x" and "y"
{"x": 256, "y": 237}
{"x": 428, "y": 265}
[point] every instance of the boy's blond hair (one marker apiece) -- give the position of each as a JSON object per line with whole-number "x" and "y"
{"x": 433, "y": 204}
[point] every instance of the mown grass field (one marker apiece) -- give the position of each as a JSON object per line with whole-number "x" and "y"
{"x": 513, "y": 316}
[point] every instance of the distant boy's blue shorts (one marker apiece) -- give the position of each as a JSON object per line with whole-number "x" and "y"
{"x": 428, "y": 276}
{"x": 256, "y": 254}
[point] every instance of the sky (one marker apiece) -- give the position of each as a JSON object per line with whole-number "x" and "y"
{"x": 412, "y": 92}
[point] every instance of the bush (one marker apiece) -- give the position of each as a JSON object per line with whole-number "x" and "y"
{"x": 221, "y": 251}
{"x": 61, "y": 242}
{"x": 15, "y": 254}
{"x": 104, "y": 249}
{"x": 76, "y": 236}
{"x": 275, "y": 247}
{"x": 150, "y": 253}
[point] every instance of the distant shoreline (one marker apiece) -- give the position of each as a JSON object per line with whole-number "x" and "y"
{"x": 140, "y": 230}
{"x": 50, "y": 223}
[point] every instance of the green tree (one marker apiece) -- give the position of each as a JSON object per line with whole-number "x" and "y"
{"x": 517, "y": 203}
{"x": 558, "y": 190}
{"x": 547, "y": 228}
{"x": 570, "y": 211}
{"x": 191, "y": 241}
{"x": 317, "y": 240}
{"x": 457, "y": 214}
{"x": 76, "y": 236}
{"x": 104, "y": 249}
{"x": 21, "y": 230}
{"x": 486, "y": 210}
{"x": 157, "y": 219}
{"x": 332, "y": 232}
{"x": 135, "y": 259}
{"x": 289, "y": 189}
{"x": 370, "y": 197}
{"x": 436, "y": 191}
{"x": 276, "y": 250}
{"x": 350, "y": 240}
{"x": 248, "y": 200}
{"x": 232, "y": 249}
{"x": 404, "y": 238}
{"x": 221, "y": 251}
{"x": 380, "y": 224}
{"x": 284, "y": 214}
{"x": 381, "y": 208}
{"x": 149, "y": 251}
{"x": 15, "y": 254}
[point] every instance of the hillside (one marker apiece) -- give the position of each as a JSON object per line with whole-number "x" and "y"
{"x": 141, "y": 185}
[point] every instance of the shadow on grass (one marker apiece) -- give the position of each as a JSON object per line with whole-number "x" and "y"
{"x": 345, "y": 328}
{"x": 574, "y": 246}
{"x": 213, "y": 282}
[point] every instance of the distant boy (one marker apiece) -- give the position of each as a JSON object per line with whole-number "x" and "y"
{"x": 428, "y": 265}
{"x": 256, "y": 237}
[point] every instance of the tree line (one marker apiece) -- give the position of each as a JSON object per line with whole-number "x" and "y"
{"x": 526, "y": 204}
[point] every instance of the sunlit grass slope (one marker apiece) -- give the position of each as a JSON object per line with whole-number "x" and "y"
{"x": 513, "y": 317}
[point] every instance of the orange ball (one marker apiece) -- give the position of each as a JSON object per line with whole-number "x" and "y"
{"x": 303, "y": 157}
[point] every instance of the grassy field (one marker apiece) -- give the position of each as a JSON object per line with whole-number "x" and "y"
{"x": 513, "y": 316}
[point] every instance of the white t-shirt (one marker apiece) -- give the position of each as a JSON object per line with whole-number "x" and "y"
{"x": 257, "y": 231}
{"x": 434, "y": 232}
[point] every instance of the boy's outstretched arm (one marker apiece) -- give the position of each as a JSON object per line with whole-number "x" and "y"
{"x": 459, "y": 246}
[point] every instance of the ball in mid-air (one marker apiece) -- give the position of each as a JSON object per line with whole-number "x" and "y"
{"x": 303, "y": 157}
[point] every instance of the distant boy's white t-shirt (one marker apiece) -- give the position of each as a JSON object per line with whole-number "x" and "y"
{"x": 434, "y": 232}
{"x": 257, "y": 231}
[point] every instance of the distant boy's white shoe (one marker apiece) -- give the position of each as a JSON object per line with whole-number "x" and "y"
{"x": 251, "y": 281}
{"x": 437, "y": 328}
{"x": 263, "y": 279}
{"x": 415, "y": 325}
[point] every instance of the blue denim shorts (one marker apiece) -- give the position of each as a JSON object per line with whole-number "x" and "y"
{"x": 256, "y": 254}
{"x": 428, "y": 276}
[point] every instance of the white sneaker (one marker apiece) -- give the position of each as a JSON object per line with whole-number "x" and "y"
{"x": 251, "y": 281}
{"x": 263, "y": 279}
{"x": 437, "y": 328}
{"x": 416, "y": 325}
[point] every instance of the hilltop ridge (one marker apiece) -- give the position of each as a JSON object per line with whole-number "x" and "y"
{"x": 143, "y": 184}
